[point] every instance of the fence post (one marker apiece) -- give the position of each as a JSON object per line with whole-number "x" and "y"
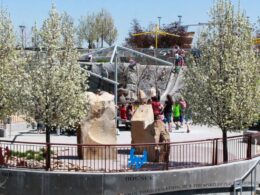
{"x": 105, "y": 158}
{"x": 216, "y": 152}
{"x": 213, "y": 151}
{"x": 249, "y": 147}
{"x": 166, "y": 155}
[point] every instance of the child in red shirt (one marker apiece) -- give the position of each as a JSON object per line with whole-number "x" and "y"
{"x": 123, "y": 112}
{"x": 157, "y": 108}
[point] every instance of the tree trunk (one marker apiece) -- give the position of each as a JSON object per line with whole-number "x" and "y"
{"x": 48, "y": 148}
{"x": 225, "y": 146}
{"x": 79, "y": 141}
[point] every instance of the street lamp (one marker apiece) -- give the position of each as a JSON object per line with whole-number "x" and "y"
{"x": 22, "y": 28}
{"x": 103, "y": 26}
{"x": 159, "y": 19}
{"x": 179, "y": 16}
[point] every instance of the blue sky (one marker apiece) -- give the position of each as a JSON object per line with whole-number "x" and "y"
{"x": 26, "y": 12}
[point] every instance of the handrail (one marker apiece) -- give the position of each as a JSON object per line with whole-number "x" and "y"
{"x": 136, "y": 144}
{"x": 238, "y": 183}
{"x": 250, "y": 170}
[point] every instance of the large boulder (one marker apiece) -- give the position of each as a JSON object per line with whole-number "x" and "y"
{"x": 144, "y": 129}
{"x": 99, "y": 127}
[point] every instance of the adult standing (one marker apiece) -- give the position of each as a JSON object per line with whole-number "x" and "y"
{"x": 167, "y": 111}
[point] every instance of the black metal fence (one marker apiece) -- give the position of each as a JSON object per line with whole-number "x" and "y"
{"x": 127, "y": 157}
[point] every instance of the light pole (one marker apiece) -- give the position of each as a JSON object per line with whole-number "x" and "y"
{"x": 159, "y": 19}
{"x": 179, "y": 23}
{"x": 22, "y": 28}
{"x": 102, "y": 28}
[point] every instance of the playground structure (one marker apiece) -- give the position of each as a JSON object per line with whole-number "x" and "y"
{"x": 120, "y": 67}
{"x": 157, "y": 31}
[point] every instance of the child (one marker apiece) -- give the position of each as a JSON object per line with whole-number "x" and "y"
{"x": 176, "y": 110}
{"x": 157, "y": 108}
{"x": 168, "y": 113}
{"x": 184, "y": 115}
{"x": 123, "y": 112}
{"x": 129, "y": 111}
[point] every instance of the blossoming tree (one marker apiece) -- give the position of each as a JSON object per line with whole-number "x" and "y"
{"x": 55, "y": 83}
{"x": 221, "y": 86}
{"x": 8, "y": 67}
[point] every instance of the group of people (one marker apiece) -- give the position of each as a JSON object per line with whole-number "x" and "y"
{"x": 126, "y": 112}
{"x": 171, "y": 112}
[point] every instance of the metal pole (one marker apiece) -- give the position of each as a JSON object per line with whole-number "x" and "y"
{"x": 156, "y": 40}
{"x": 159, "y": 18}
{"x": 179, "y": 22}
{"x": 102, "y": 28}
{"x": 251, "y": 184}
{"x": 255, "y": 180}
{"x": 101, "y": 77}
{"x": 165, "y": 63}
{"x": 22, "y": 27}
{"x": 116, "y": 61}
{"x": 113, "y": 54}
{"x": 10, "y": 128}
{"x": 216, "y": 152}
{"x": 249, "y": 142}
{"x": 241, "y": 188}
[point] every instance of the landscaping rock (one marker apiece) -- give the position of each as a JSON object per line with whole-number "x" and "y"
{"x": 99, "y": 127}
{"x": 144, "y": 129}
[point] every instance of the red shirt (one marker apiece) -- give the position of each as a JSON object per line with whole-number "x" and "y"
{"x": 123, "y": 113}
{"x": 156, "y": 108}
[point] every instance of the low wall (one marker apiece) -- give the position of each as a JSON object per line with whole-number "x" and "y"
{"x": 185, "y": 181}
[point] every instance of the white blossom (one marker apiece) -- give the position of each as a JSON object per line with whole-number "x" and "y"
{"x": 225, "y": 77}
{"x": 56, "y": 83}
{"x": 222, "y": 86}
{"x": 8, "y": 67}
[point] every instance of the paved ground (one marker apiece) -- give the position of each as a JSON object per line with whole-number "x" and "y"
{"x": 196, "y": 133}
{"x": 21, "y": 132}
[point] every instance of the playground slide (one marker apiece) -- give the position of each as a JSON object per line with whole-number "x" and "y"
{"x": 174, "y": 85}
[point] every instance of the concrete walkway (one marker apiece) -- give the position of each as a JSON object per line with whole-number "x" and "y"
{"x": 22, "y": 132}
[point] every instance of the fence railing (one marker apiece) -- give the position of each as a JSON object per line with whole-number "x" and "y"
{"x": 127, "y": 157}
{"x": 240, "y": 182}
